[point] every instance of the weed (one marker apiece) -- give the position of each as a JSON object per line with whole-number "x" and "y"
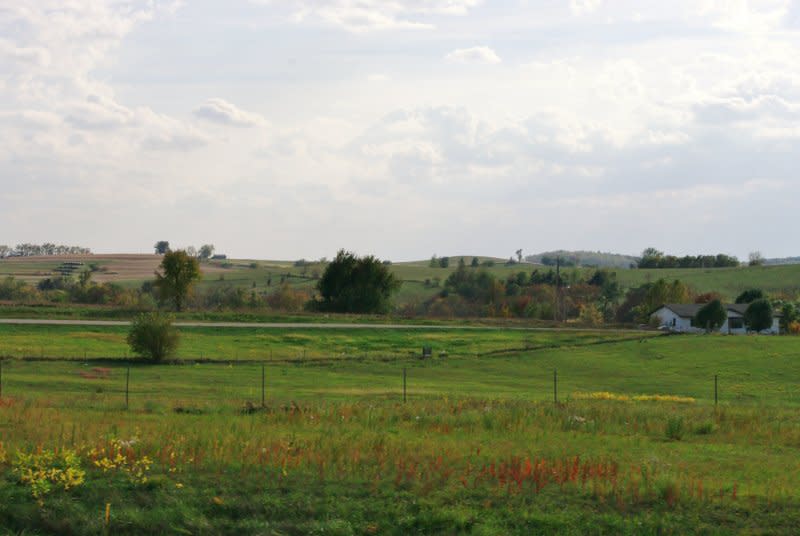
{"x": 705, "y": 428}
{"x": 674, "y": 429}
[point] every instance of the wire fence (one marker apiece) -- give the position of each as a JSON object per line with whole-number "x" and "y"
{"x": 118, "y": 384}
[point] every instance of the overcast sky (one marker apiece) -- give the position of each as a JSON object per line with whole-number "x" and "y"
{"x": 401, "y": 128}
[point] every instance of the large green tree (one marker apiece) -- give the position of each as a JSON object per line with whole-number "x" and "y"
{"x": 178, "y": 271}
{"x": 352, "y": 284}
{"x": 711, "y": 316}
{"x": 758, "y": 315}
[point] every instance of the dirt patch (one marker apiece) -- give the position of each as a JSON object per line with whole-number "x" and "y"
{"x": 96, "y": 373}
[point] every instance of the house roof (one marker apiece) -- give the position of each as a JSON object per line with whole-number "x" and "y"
{"x": 689, "y": 310}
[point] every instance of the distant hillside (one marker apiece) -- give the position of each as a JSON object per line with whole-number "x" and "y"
{"x": 783, "y": 260}
{"x": 584, "y": 258}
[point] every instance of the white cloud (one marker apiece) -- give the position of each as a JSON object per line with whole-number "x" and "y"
{"x": 630, "y": 111}
{"x": 368, "y": 15}
{"x": 583, "y": 7}
{"x": 480, "y": 54}
{"x": 223, "y": 112}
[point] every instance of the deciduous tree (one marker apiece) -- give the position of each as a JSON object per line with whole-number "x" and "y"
{"x": 178, "y": 272}
{"x": 758, "y": 315}
{"x": 751, "y": 295}
{"x": 711, "y": 316}
{"x": 352, "y": 284}
{"x": 161, "y": 247}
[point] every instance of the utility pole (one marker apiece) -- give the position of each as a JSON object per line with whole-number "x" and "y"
{"x": 557, "y": 314}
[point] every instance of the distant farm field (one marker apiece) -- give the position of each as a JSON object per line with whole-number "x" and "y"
{"x": 420, "y": 281}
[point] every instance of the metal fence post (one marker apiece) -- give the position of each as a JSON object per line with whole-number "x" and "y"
{"x": 263, "y": 381}
{"x": 404, "y": 384}
{"x": 716, "y": 396}
{"x": 127, "y": 384}
{"x": 555, "y": 386}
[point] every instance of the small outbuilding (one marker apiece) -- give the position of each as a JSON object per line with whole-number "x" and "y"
{"x": 679, "y": 317}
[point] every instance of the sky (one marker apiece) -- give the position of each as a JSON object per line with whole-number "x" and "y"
{"x": 280, "y": 129}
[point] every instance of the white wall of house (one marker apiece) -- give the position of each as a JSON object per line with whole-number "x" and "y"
{"x": 776, "y": 326}
{"x": 668, "y": 318}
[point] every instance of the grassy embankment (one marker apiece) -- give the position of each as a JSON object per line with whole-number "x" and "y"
{"x": 479, "y": 448}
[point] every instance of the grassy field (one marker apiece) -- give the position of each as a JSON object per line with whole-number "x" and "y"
{"x": 80, "y": 342}
{"x": 479, "y": 448}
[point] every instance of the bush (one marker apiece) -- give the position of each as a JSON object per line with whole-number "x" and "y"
{"x": 674, "y": 429}
{"x": 152, "y": 336}
{"x": 704, "y": 429}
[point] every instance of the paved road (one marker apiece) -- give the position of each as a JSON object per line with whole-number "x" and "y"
{"x": 293, "y": 325}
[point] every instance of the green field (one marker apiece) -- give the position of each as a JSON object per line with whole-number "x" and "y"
{"x": 478, "y": 448}
{"x": 263, "y": 344}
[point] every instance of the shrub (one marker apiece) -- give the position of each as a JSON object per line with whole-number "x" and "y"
{"x": 46, "y": 470}
{"x": 153, "y": 336}
{"x": 704, "y": 429}
{"x": 674, "y": 429}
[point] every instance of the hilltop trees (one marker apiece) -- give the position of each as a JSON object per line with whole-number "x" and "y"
{"x": 755, "y": 259}
{"x": 352, "y": 284}
{"x": 178, "y": 272}
{"x": 46, "y": 249}
{"x": 653, "y": 258}
{"x": 206, "y": 251}
{"x": 161, "y": 247}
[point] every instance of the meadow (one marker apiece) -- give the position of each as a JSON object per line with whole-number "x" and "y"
{"x": 635, "y": 444}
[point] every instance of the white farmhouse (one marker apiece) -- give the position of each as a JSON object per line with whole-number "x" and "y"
{"x": 679, "y": 317}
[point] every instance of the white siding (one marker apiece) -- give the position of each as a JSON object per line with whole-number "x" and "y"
{"x": 668, "y": 318}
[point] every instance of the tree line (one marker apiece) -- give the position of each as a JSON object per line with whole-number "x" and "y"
{"x": 653, "y": 258}
{"x": 38, "y": 250}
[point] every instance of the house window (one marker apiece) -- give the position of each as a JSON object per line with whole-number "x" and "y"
{"x": 735, "y": 323}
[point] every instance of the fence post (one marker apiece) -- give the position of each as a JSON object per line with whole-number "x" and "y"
{"x": 716, "y": 397}
{"x": 263, "y": 381}
{"x": 1, "y": 378}
{"x": 404, "y": 385}
{"x": 127, "y": 384}
{"x": 555, "y": 386}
